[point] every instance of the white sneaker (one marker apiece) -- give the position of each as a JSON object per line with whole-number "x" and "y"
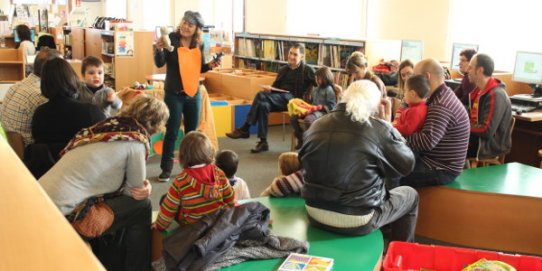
{"x": 164, "y": 176}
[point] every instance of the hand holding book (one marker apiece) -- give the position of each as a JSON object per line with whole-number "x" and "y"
{"x": 269, "y": 88}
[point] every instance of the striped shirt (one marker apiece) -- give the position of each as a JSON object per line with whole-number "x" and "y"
{"x": 192, "y": 199}
{"x": 19, "y": 105}
{"x": 285, "y": 185}
{"x": 444, "y": 138}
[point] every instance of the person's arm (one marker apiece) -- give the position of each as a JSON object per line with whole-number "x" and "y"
{"x": 280, "y": 76}
{"x": 331, "y": 99}
{"x": 96, "y": 115}
{"x": 169, "y": 208}
{"x": 433, "y": 129}
{"x": 398, "y": 157}
{"x": 285, "y": 185}
{"x": 135, "y": 172}
{"x": 490, "y": 114}
{"x": 228, "y": 195}
{"x": 160, "y": 55}
{"x": 407, "y": 122}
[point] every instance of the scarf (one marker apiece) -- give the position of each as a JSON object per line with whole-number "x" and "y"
{"x": 109, "y": 130}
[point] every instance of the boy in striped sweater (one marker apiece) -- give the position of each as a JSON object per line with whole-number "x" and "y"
{"x": 291, "y": 179}
{"x": 200, "y": 189}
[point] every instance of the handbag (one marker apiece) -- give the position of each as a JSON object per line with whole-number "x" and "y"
{"x": 92, "y": 217}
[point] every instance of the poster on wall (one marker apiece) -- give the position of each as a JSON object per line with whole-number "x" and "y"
{"x": 124, "y": 43}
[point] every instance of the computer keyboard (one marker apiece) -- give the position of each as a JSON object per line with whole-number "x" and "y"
{"x": 519, "y": 108}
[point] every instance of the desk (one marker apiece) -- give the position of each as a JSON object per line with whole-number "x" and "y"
{"x": 290, "y": 219}
{"x": 34, "y": 234}
{"x": 495, "y": 207}
{"x": 526, "y": 139}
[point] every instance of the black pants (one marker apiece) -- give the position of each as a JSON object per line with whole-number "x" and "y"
{"x": 130, "y": 233}
{"x": 424, "y": 176}
{"x": 263, "y": 103}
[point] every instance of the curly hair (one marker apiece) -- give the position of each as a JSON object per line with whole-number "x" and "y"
{"x": 362, "y": 98}
{"x": 148, "y": 111}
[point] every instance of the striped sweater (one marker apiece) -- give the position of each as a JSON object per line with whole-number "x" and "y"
{"x": 444, "y": 138}
{"x": 285, "y": 185}
{"x": 194, "y": 193}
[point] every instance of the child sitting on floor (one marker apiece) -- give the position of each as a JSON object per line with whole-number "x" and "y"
{"x": 201, "y": 188}
{"x": 94, "y": 91}
{"x": 291, "y": 177}
{"x": 410, "y": 119}
{"x": 228, "y": 161}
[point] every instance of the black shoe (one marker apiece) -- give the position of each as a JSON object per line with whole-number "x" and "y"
{"x": 238, "y": 133}
{"x": 260, "y": 147}
{"x": 164, "y": 176}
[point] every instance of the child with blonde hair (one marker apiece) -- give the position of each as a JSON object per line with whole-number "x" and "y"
{"x": 291, "y": 177}
{"x": 201, "y": 188}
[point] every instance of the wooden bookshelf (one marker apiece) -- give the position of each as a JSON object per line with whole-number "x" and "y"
{"x": 12, "y": 65}
{"x": 270, "y": 52}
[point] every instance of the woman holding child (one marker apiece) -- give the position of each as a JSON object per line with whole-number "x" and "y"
{"x": 114, "y": 152}
{"x": 347, "y": 156}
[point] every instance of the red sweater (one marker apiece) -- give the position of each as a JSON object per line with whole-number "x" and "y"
{"x": 410, "y": 119}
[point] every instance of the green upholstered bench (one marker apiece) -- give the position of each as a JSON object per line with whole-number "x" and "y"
{"x": 289, "y": 218}
{"x": 495, "y": 207}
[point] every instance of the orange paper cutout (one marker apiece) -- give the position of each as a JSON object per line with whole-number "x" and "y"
{"x": 189, "y": 67}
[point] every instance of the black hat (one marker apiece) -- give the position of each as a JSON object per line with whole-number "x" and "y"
{"x": 193, "y": 18}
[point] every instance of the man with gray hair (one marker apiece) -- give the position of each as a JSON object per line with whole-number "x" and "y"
{"x": 442, "y": 143}
{"x": 24, "y": 97}
{"x": 348, "y": 155}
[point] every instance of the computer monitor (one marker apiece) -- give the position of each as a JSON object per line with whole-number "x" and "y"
{"x": 412, "y": 50}
{"x": 16, "y": 37}
{"x": 456, "y": 50}
{"x": 157, "y": 32}
{"x": 528, "y": 69}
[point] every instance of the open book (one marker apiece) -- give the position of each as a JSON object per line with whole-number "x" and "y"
{"x": 274, "y": 88}
{"x": 306, "y": 263}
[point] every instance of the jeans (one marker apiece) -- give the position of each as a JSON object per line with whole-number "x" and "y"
{"x": 263, "y": 103}
{"x": 424, "y": 176}
{"x": 134, "y": 216}
{"x": 179, "y": 105}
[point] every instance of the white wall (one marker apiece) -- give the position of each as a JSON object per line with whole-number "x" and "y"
{"x": 426, "y": 20}
{"x": 94, "y": 10}
{"x": 266, "y": 17}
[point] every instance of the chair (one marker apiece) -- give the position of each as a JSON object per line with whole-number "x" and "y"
{"x": 16, "y": 142}
{"x": 498, "y": 160}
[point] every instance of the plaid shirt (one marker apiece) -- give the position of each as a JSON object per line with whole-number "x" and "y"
{"x": 19, "y": 105}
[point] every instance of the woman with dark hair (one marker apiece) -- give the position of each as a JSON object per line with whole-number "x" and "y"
{"x": 25, "y": 40}
{"x": 185, "y": 61}
{"x": 55, "y": 122}
{"x": 406, "y": 69}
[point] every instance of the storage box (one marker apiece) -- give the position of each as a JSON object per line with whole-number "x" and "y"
{"x": 412, "y": 256}
{"x": 238, "y": 83}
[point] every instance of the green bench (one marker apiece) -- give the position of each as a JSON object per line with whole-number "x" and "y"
{"x": 289, "y": 218}
{"x": 496, "y": 207}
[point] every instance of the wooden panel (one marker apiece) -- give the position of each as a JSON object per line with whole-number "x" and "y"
{"x": 131, "y": 69}
{"x": 34, "y": 234}
{"x": 78, "y": 43}
{"x": 12, "y": 65}
{"x": 93, "y": 42}
{"x": 526, "y": 141}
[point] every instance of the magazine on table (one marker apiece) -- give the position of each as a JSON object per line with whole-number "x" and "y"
{"x": 301, "y": 262}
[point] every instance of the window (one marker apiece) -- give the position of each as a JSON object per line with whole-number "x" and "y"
{"x": 156, "y": 13}
{"x": 115, "y": 8}
{"x": 500, "y": 28}
{"x": 341, "y": 19}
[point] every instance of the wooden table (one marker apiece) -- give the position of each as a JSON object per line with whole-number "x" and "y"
{"x": 526, "y": 139}
{"x": 34, "y": 235}
{"x": 495, "y": 207}
{"x": 290, "y": 219}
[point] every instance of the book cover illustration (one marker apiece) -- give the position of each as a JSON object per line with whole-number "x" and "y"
{"x": 300, "y": 262}
{"x": 311, "y": 53}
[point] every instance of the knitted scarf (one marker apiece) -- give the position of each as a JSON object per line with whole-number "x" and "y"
{"x": 108, "y": 130}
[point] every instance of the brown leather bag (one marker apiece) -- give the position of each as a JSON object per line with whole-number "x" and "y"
{"x": 97, "y": 219}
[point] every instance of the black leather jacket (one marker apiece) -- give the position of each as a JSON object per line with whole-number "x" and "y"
{"x": 346, "y": 162}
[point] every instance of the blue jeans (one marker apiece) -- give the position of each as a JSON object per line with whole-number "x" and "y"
{"x": 263, "y": 103}
{"x": 422, "y": 176}
{"x": 179, "y": 105}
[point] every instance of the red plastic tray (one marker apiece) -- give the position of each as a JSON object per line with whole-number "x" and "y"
{"x": 412, "y": 256}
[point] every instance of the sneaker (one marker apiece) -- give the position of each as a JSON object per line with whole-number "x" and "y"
{"x": 164, "y": 176}
{"x": 260, "y": 147}
{"x": 238, "y": 133}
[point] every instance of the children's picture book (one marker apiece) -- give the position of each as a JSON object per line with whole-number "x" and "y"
{"x": 300, "y": 262}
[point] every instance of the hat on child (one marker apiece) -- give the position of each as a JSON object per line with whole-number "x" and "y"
{"x": 193, "y": 18}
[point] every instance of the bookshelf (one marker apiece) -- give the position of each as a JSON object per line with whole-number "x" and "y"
{"x": 270, "y": 52}
{"x": 12, "y": 65}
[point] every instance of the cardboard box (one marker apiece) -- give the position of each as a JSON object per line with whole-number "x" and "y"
{"x": 243, "y": 84}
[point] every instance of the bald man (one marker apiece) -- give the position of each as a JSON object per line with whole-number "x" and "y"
{"x": 442, "y": 143}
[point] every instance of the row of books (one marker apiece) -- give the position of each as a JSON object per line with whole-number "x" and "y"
{"x": 341, "y": 78}
{"x": 320, "y": 54}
